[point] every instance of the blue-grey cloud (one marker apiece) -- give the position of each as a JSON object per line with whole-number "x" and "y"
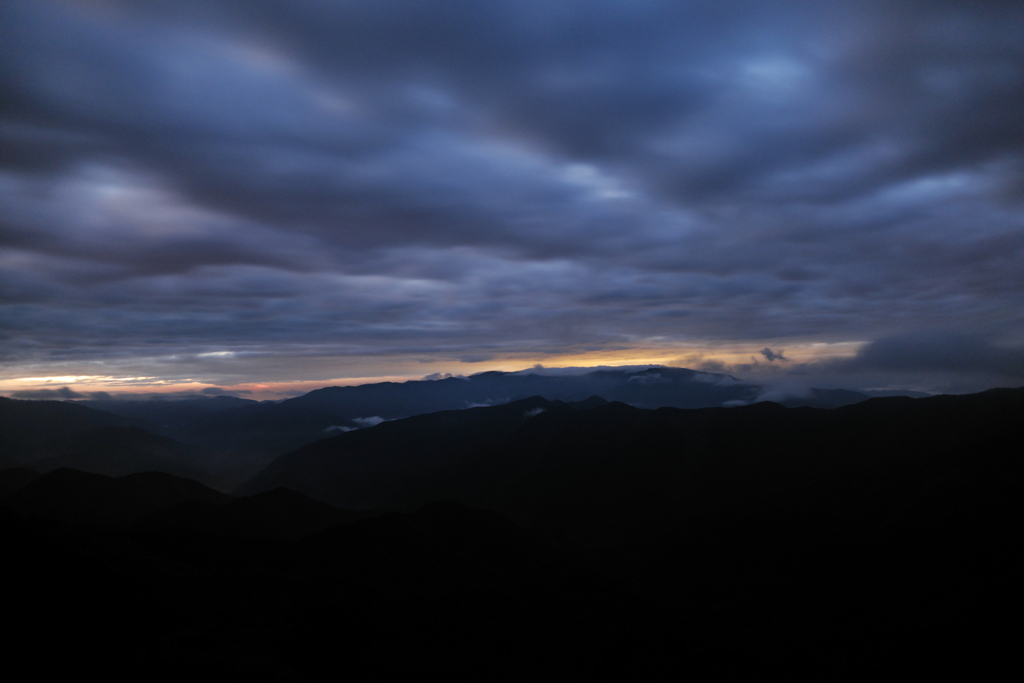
{"x": 945, "y": 351}
{"x": 61, "y": 394}
{"x": 933, "y": 360}
{"x": 303, "y": 179}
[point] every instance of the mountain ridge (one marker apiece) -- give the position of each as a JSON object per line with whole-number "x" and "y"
{"x": 537, "y": 459}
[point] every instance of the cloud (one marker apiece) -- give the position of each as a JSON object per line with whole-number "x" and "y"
{"x": 484, "y": 404}
{"x": 941, "y": 352}
{"x": 931, "y": 360}
{"x": 338, "y": 428}
{"x": 648, "y": 378}
{"x": 772, "y": 356}
{"x": 435, "y": 376}
{"x": 62, "y": 394}
{"x": 368, "y": 421}
{"x": 473, "y": 181}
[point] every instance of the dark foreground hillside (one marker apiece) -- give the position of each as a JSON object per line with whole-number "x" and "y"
{"x": 611, "y": 476}
{"x": 447, "y": 591}
{"x": 883, "y": 538}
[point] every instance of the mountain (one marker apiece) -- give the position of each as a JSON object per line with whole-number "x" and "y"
{"x": 117, "y": 451}
{"x": 651, "y": 387}
{"x": 392, "y": 464}
{"x": 50, "y": 435}
{"x": 280, "y": 514}
{"x": 617, "y": 476}
{"x": 168, "y": 417}
{"x": 154, "y": 501}
{"x": 76, "y": 497}
{"x": 223, "y": 441}
{"x": 14, "y": 479}
{"x": 444, "y": 588}
{"x": 722, "y": 544}
{"x": 280, "y": 427}
{"x": 26, "y": 425}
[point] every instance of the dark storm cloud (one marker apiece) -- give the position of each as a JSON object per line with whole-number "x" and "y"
{"x": 62, "y": 394}
{"x": 930, "y": 360}
{"x": 948, "y": 352}
{"x": 772, "y": 356}
{"x": 459, "y": 179}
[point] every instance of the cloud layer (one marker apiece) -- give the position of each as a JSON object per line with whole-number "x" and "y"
{"x": 232, "y": 187}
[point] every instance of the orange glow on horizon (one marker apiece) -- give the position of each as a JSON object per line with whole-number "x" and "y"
{"x": 709, "y": 357}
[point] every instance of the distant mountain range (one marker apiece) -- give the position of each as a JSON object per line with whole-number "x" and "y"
{"x": 49, "y": 435}
{"x": 223, "y": 441}
{"x": 277, "y": 427}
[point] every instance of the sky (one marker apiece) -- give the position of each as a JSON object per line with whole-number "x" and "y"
{"x": 266, "y": 196}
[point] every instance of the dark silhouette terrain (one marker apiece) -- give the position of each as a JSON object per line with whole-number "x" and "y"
{"x": 599, "y": 472}
{"x": 548, "y": 538}
{"x": 256, "y": 432}
{"x": 222, "y": 441}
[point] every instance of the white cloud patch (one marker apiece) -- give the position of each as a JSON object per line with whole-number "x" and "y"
{"x": 648, "y": 378}
{"x": 484, "y": 404}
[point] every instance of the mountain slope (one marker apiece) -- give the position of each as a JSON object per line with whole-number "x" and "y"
{"x": 601, "y": 474}
{"x": 25, "y": 425}
{"x": 719, "y": 543}
{"x": 76, "y": 497}
{"x": 284, "y": 426}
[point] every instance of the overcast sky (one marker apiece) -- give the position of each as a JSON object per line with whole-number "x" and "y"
{"x": 231, "y": 192}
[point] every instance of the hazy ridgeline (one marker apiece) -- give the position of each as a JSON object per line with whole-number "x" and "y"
{"x": 224, "y": 441}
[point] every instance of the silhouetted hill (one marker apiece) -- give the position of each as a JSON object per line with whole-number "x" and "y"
{"x": 25, "y": 425}
{"x": 718, "y": 544}
{"x": 443, "y": 546}
{"x": 896, "y": 548}
{"x": 117, "y": 451}
{"x": 279, "y": 427}
{"x": 613, "y": 473}
{"x": 653, "y": 387}
{"x": 264, "y": 428}
{"x": 445, "y": 588}
{"x": 76, "y": 497}
{"x": 169, "y": 417}
{"x": 49, "y": 435}
{"x": 279, "y": 513}
{"x": 223, "y": 441}
{"x": 14, "y": 479}
{"x": 382, "y": 463}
